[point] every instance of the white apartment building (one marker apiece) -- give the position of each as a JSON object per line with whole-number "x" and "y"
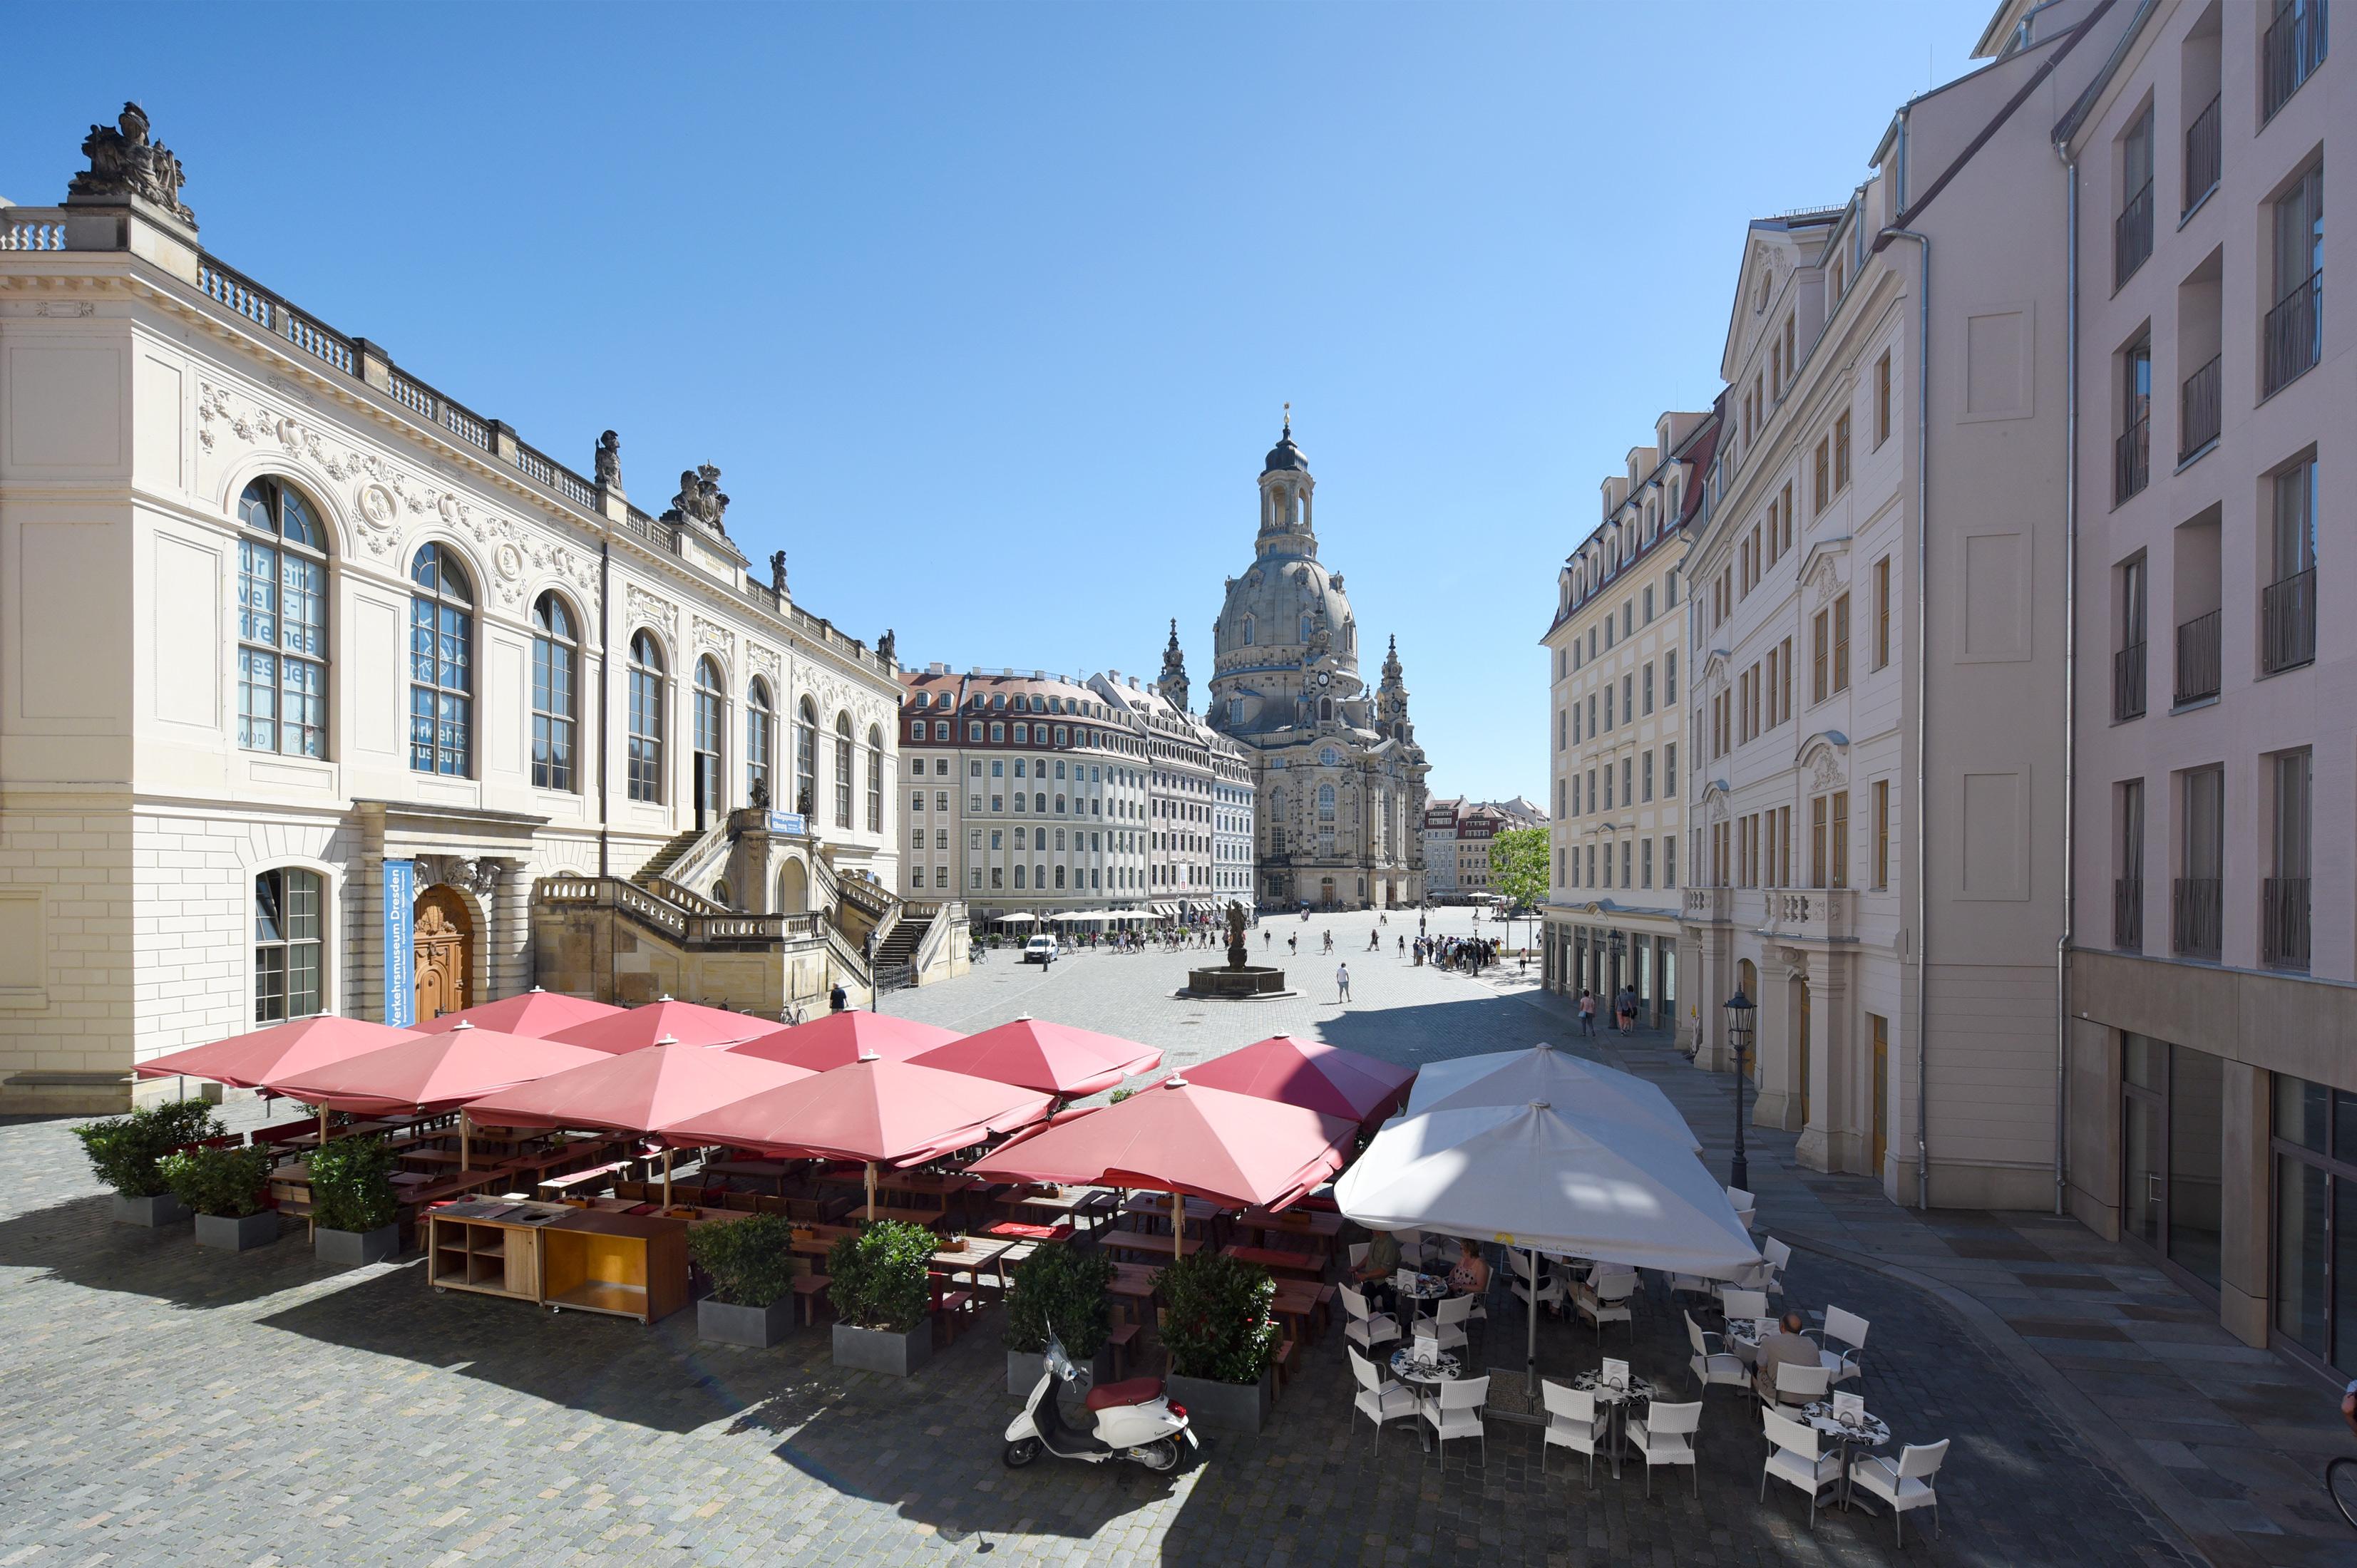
{"x": 1617, "y": 673}
{"x": 1189, "y": 765}
{"x": 1440, "y": 834}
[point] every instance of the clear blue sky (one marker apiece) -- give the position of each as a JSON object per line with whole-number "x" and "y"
{"x": 986, "y": 311}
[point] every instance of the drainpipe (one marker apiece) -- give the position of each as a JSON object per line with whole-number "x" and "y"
{"x": 605, "y": 663}
{"x": 2070, "y": 685}
{"x": 1922, "y": 693}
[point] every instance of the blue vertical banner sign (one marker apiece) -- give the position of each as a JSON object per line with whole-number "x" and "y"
{"x": 400, "y": 943}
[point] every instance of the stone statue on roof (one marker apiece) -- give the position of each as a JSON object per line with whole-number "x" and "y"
{"x": 125, "y": 161}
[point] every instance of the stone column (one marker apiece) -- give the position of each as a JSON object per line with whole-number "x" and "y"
{"x": 511, "y": 954}
{"x": 2245, "y": 1288}
{"x": 1834, "y": 1139}
{"x": 1778, "y": 1049}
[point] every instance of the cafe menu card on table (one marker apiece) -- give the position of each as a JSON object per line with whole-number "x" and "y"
{"x": 1615, "y": 1374}
{"x": 1850, "y": 1409}
{"x": 1427, "y": 1349}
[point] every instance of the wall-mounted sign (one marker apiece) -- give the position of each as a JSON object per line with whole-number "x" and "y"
{"x": 400, "y": 943}
{"x": 789, "y": 822}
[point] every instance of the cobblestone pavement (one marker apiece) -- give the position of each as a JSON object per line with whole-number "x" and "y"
{"x": 164, "y": 1405}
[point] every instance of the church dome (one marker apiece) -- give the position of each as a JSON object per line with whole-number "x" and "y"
{"x": 1286, "y": 456}
{"x": 1274, "y": 595}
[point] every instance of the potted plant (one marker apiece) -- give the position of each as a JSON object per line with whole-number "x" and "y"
{"x": 752, "y": 1267}
{"x": 1222, "y": 1335}
{"x": 224, "y": 1187}
{"x": 1061, "y": 1290}
{"x": 352, "y": 1201}
{"x": 123, "y": 1150}
{"x": 877, "y": 1281}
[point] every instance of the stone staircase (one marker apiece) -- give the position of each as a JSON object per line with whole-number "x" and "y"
{"x": 659, "y": 865}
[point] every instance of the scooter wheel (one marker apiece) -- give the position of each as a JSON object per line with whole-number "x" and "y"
{"x": 1159, "y": 1458}
{"x": 1015, "y": 1455}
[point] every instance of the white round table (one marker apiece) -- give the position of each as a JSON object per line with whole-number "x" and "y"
{"x": 1409, "y": 1368}
{"x": 1873, "y": 1431}
{"x": 1616, "y": 1398}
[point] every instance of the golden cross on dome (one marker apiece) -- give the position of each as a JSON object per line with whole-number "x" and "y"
{"x": 1289, "y": 419}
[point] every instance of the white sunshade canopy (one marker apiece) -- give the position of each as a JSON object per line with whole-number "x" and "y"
{"x": 1572, "y": 1084}
{"x": 1018, "y": 920}
{"x": 1531, "y": 1176}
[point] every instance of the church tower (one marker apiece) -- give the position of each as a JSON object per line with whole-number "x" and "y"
{"x": 1174, "y": 670}
{"x": 1286, "y": 488}
{"x": 1391, "y": 700}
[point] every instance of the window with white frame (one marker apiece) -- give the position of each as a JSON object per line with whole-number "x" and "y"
{"x": 281, "y": 655}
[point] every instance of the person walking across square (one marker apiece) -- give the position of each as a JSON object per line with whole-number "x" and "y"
{"x": 1342, "y": 982}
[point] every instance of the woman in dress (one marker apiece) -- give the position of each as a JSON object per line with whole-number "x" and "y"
{"x": 1471, "y": 1276}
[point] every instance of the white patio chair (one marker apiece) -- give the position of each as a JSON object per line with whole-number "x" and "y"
{"x": 1746, "y": 1206}
{"x": 1664, "y": 1435}
{"x": 1801, "y": 1385}
{"x": 1711, "y": 1366}
{"x": 1842, "y": 1345}
{"x": 1449, "y": 1320}
{"x": 1357, "y": 1254}
{"x": 1905, "y": 1485}
{"x": 1548, "y": 1290}
{"x": 1775, "y": 1255}
{"x": 1574, "y": 1420}
{"x": 1741, "y": 1304}
{"x": 1794, "y": 1456}
{"x": 1454, "y": 1409}
{"x": 1366, "y": 1329}
{"x": 1380, "y": 1399}
{"x": 1607, "y": 1300}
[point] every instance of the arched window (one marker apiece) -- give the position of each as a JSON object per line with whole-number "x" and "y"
{"x": 441, "y": 664}
{"x": 288, "y": 945}
{"x": 645, "y": 760}
{"x": 842, "y": 770}
{"x": 1325, "y": 803}
{"x": 711, "y": 724}
{"x": 875, "y": 778}
{"x": 1249, "y": 630}
{"x": 282, "y": 624}
{"x": 1306, "y": 623}
{"x": 760, "y": 740}
{"x": 806, "y": 758}
{"x": 555, "y": 658}
{"x": 1325, "y": 707}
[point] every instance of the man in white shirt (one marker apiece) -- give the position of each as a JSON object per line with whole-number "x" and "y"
{"x": 1342, "y": 982}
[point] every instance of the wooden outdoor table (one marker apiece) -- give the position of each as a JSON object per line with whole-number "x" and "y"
{"x": 1030, "y": 1204}
{"x": 977, "y": 1257}
{"x": 596, "y": 1176}
{"x": 1300, "y": 1303}
{"x": 695, "y": 1216}
{"x": 1139, "y": 1241}
{"x": 1158, "y": 1205}
{"x": 451, "y": 1184}
{"x": 436, "y": 1159}
{"x": 1278, "y": 1261}
{"x": 1319, "y": 1231}
{"x": 310, "y": 1140}
{"x": 929, "y": 1218}
{"x": 1134, "y": 1281}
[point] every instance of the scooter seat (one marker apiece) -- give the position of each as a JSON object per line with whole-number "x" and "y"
{"x": 1130, "y": 1390}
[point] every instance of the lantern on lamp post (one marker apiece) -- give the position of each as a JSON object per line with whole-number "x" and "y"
{"x": 1741, "y": 1013}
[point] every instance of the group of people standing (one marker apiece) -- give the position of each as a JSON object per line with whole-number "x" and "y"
{"x": 1625, "y": 1007}
{"x": 1470, "y": 955}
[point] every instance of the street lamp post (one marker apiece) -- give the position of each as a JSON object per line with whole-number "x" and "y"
{"x": 1740, "y": 1012}
{"x": 1620, "y": 944}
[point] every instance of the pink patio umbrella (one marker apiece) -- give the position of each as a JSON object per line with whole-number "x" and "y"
{"x": 637, "y": 1091}
{"x": 243, "y": 1061}
{"x": 685, "y": 1022}
{"x": 1236, "y": 1150}
{"x": 1054, "y": 1058}
{"x": 841, "y": 1039}
{"x": 432, "y": 1072}
{"x": 537, "y": 1013}
{"x": 874, "y": 1111}
{"x": 1312, "y": 1074}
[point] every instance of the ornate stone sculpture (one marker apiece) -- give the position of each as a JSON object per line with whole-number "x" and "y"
{"x": 759, "y": 796}
{"x": 777, "y": 570}
{"x": 699, "y": 500}
{"x": 609, "y": 461}
{"x": 124, "y": 162}
{"x": 1235, "y": 935}
{"x": 888, "y": 647}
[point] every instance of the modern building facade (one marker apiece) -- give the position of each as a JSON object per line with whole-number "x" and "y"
{"x": 1337, "y": 776}
{"x": 2212, "y": 979}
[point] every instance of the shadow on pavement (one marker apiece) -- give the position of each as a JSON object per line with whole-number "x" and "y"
{"x": 78, "y": 1242}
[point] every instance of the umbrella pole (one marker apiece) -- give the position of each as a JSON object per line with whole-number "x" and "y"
{"x": 666, "y": 1178}
{"x": 1178, "y": 1226}
{"x": 323, "y": 1126}
{"x": 465, "y": 1149}
{"x": 1531, "y": 1359}
{"x": 871, "y": 1192}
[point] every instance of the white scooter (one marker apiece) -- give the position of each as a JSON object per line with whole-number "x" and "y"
{"x": 1133, "y": 1420}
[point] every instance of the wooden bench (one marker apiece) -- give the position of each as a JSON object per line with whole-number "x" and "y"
{"x": 1122, "y": 1341}
{"x": 808, "y": 1289}
{"x": 951, "y": 1309}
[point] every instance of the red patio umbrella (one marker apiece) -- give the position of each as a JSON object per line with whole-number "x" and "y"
{"x": 243, "y": 1061}
{"x": 1054, "y": 1058}
{"x": 685, "y": 1022}
{"x": 874, "y": 1111}
{"x": 536, "y": 1012}
{"x": 1312, "y": 1074}
{"x": 1236, "y": 1150}
{"x": 841, "y": 1039}
{"x": 430, "y": 1072}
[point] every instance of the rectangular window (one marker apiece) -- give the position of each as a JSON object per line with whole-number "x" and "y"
{"x": 1882, "y": 612}
{"x": 1670, "y": 678}
{"x": 1670, "y": 861}
{"x": 1628, "y": 775}
{"x": 1817, "y": 809}
{"x": 2287, "y": 605}
{"x": 1649, "y": 688}
{"x": 1670, "y": 770}
{"x": 1841, "y": 838}
{"x": 1882, "y": 832}
{"x": 2284, "y": 905}
{"x": 1841, "y": 643}
{"x": 2198, "y": 897}
{"x": 1629, "y": 697}
{"x": 1841, "y": 451}
{"x": 1823, "y": 491}
{"x": 1648, "y": 777}
{"x": 1820, "y": 653}
{"x": 1645, "y": 863}
{"x": 1882, "y": 399}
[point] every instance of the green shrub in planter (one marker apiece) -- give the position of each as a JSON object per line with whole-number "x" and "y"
{"x": 225, "y": 1183}
{"x": 1218, "y": 1324}
{"x": 352, "y": 1187}
{"x": 1061, "y": 1288}
{"x": 750, "y": 1260}
{"x": 123, "y": 1149}
{"x": 876, "y": 1279}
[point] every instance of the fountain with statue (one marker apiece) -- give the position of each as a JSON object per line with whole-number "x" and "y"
{"x": 1238, "y": 981}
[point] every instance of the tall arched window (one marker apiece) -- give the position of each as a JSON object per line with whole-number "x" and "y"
{"x": 875, "y": 778}
{"x": 1249, "y": 630}
{"x": 806, "y": 758}
{"x": 555, "y": 656}
{"x": 441, "y": 664}
{"x": 1305, "y": 628}
{"x": 711, "y": 724}
{"x": 842, "y": 770}
{"x": 644, "y": 764}
{"x": 288, "y": 945}
{"x": 760, "y": 740}
{"x": 282, "y": 624}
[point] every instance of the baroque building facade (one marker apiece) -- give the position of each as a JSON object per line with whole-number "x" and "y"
{"x": 1337, "y": 776}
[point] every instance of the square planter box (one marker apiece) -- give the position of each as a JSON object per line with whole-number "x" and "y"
{"x": 1225, "y": 1407}
{"x": 239, "y": 1235}
{"x": 150, "y": 1212}
{"x": 351, "y": 1248}
{"x": 758, "y": 1328}
{"x": 877, "y": 1350}
{"x": 1023, "y": 1371}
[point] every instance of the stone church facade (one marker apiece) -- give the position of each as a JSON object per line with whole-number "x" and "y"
{"x": 1337, "y": 777}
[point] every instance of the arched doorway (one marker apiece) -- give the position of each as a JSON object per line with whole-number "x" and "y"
{"x": 793, "y": 889}
{"x": 445, "y": 952}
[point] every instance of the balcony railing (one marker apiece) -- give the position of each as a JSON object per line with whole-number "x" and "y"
{"x": 2198, "y": 412}
{"x": 2294, "y": 48}
{"x": 2132, "y": 459}
{"x": 2127, "y": 914}
{"x": 1809, "y": 914}
{"x": 2195, "y": 906}
{"x": 2295, "y": 332}
{"x": 2287, "y": 622}
{"x": 2197, "y": 658}
{"x": 1710, "y": 906}
{"x": 2282, "y": 922}
{"x": 2128, "y": 683}
{"x": 2201, "y": 158}
{"x": 2132, "y": 235}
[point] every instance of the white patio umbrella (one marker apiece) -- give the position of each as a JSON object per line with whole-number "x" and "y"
{"x": 1572, "y": 1084}
{"x": 1534, "y": 1177}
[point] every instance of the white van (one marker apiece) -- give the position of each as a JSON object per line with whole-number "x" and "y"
{"x": 1041, "y": 950}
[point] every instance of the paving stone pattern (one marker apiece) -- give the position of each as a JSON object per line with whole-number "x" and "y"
{"x": 168, "y": 1406}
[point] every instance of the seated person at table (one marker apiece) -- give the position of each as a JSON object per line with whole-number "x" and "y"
{"x": 1471, "y": 1276}
{"x": 1785, "y": 1346}
{"x": 1374, "y": 1273}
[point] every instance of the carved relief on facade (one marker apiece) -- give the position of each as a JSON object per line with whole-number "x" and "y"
{"x": 764, "y": 661}
{"x": 645, "y": 606}
{"x": 712, "y": 637}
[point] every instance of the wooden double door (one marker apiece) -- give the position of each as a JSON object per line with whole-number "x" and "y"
{"x": 445, "y": 952}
